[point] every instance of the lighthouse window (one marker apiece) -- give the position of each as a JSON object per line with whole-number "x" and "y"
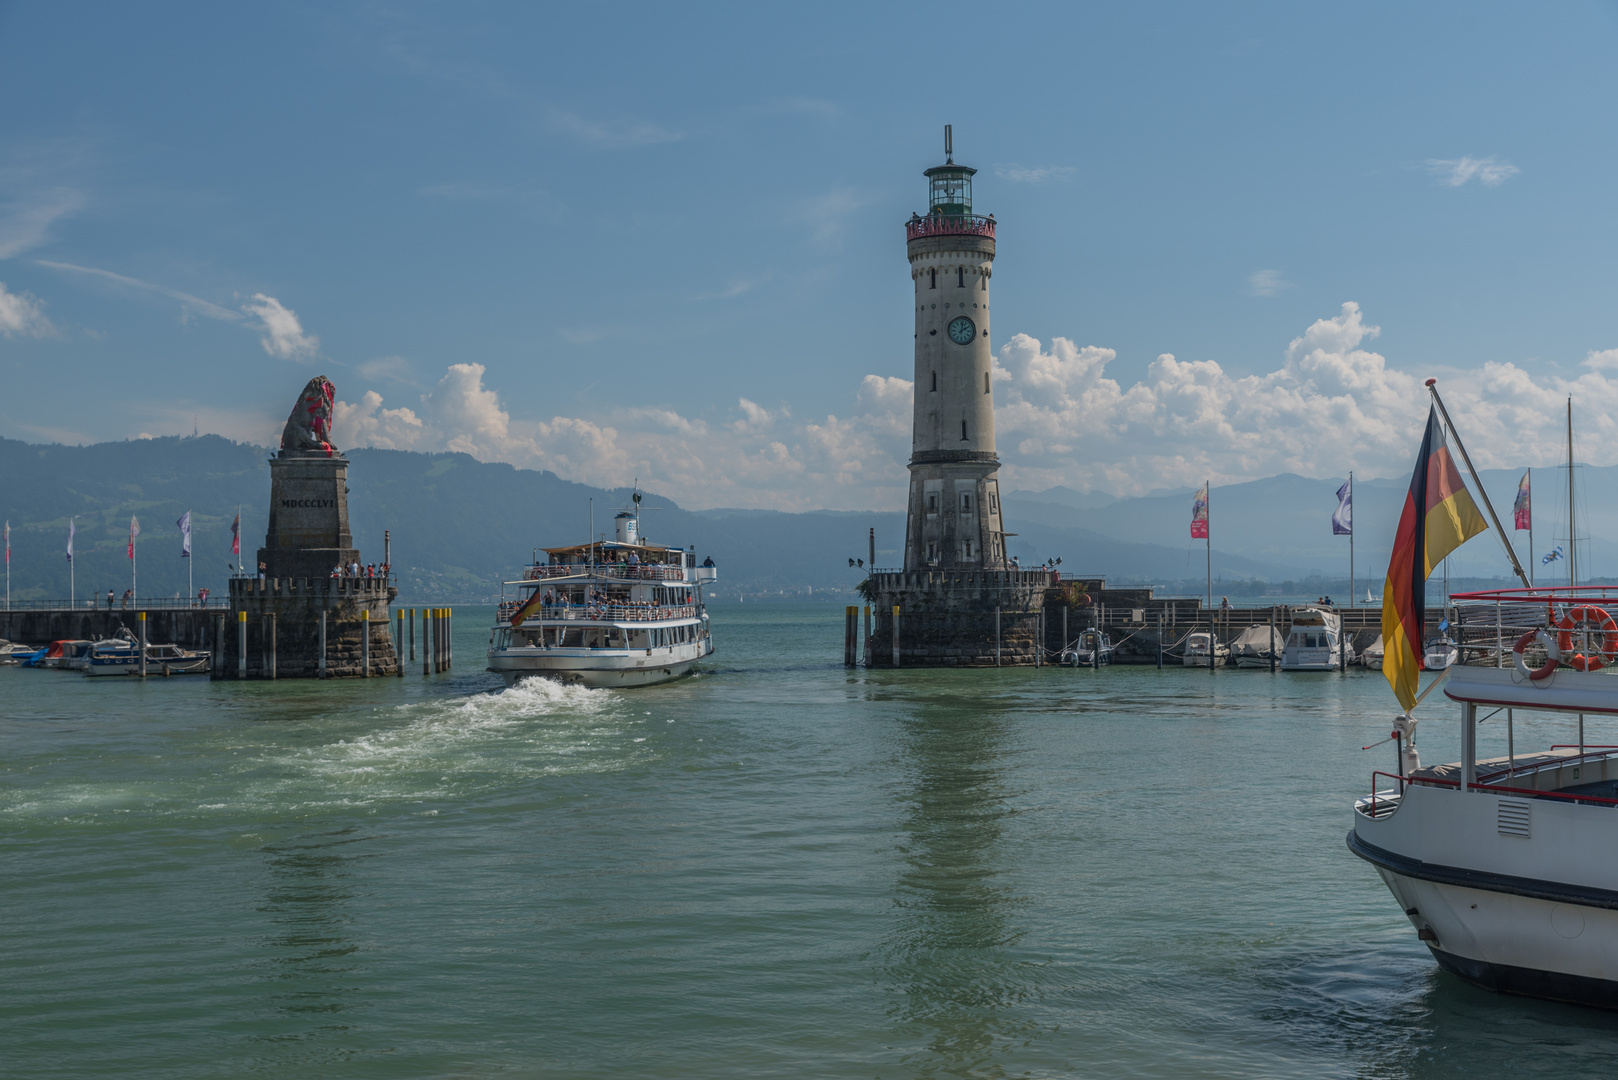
{"x": 963, "y": 430}
{"x": 966, "y": 504}
{"x": 968, "y": 549}
{"x": 935, "y": 380}
{"x": 932, "y": 503}
{"x": 933, "y": 278}
{"x": 932, "y": 550}
{"x": 960, "y": 277}
{"x": 985, "y": 382}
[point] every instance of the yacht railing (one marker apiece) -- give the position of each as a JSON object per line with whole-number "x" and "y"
{"x": 1484, "y": 785}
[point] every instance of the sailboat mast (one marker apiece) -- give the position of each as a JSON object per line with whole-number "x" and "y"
{"x": 1572, "y": 533}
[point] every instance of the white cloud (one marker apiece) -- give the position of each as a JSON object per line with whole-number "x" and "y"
{"x": 282, "y": 334}
{"x": 1329, "y": 405}
{"x": 26, "y": 223}
{"x": 392, "y": 368}
{"x": 23, "y": 314}
{"x": 610, "y": 134}
{"x": 1037, "y": 174}
{"x": 1266, "y": 282}
{"x": 1489, "y": 171}
{"x": 188, "y": 304}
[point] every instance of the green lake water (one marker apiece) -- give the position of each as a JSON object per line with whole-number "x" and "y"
{"x": 777, "y": 867}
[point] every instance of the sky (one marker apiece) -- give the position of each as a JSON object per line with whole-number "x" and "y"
{"x": 664, "y": 243}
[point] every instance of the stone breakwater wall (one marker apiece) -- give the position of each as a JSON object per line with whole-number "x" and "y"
{"x": 283, "y": 621}
{"x": 191, "y": 628}
{"x": 957, "y": 618}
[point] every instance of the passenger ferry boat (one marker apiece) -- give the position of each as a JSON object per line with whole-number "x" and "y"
{"x": 624, "y": 612}
{"x": 1500, "y": 862}
{"x": 1314, "y": 641}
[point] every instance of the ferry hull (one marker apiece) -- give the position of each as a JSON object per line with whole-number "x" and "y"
{"x": 1553, "y": 945}
{"x": 620, "y": 671}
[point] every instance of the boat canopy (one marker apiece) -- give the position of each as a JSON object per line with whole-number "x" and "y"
{"x": 614, "y": 551}
{"x": 1256, "y": 640}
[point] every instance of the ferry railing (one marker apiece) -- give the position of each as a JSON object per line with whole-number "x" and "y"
{"x": 170, "y": 603}
{"x": 621, "y": 571}
{"x": 602, "y": 612}
{"x": 1483, "y": 785}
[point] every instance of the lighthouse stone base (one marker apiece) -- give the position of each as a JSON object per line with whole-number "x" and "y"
{"x": 957, "y": 618}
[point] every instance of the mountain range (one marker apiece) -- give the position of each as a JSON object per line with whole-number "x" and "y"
{"x": 459, "y": 526}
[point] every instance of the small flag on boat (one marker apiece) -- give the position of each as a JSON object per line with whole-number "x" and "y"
{"x": 70, "y": 532}
{"x": 1522, "y": 510}
{"x": 1439, "y": 516}
{"x": 1199, "y": 514}
{"x": 236, "y": 534}
{"x": 185, "y": 534}
{"x": 134, "y": 531}
{"x": 1342, "y": 520}
{"x": 1551, "y": 555}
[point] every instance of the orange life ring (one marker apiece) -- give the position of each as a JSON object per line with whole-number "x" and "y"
{"x": 1553, "y": 656}
{"x": 1600, "y": 657}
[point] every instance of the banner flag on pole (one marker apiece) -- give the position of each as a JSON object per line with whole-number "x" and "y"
{"x": 1342, "y": 519}
{"x": 236, "y": 534}
{"x": 134, "y": 531}
{"x": 8, "y": 541}
{"x": 1439, "y": 516}
{"x": 70, "y": 531}
{"x": 1199, "y": 514}
{"x": 185, "y": 534}
{"x": 1552, "y": 555}
{"x": 1522, "y": 511}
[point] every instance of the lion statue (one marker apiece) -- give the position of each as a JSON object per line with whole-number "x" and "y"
{"x": 309, "y": 426}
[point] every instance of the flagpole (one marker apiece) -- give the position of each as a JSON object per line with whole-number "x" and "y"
{"x": 1531, "y": 527}
{"x": 72, "y": 589}
{"x": 134, "y": 589}
{"x": 1351, "y": 538}
{"x": 1432, "y": 388}
{"x": 1212, "y": 641}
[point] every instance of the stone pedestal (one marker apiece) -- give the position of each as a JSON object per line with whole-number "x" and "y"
{"x": 297, "y": 604}
{"x": 957, "y": 618}
{"x": 308, "y": 533}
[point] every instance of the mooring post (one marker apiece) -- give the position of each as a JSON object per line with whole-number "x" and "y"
{"x": 851, "y": 624}
{"x": 141, "y": 618}
{"x": 1160, "y": 639}
{"x": 449, "y": 638}
{"x": 1272, "y": 639}
{"x": 895, "y": 635}
{"x": 997, "y": 633}
{"x": 216, "y": 660}
{"x": 272, "y": 644}
{"x": 411, "y": 621}
{"x": 867, "y": 638}
{"x": 1064, "y": 632}
{"x": 365, "y": 643}
{"x": 426, "y": 642}
{"x": 241, "y": 644}
{"x": 322, "y": 643}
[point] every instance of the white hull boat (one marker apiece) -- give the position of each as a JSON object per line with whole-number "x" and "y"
{"x": 1500, "y": 863}
{"x": 1092, "y": 649}
{"x": 1197, "y": 648}
{"x": 1256, "y": 647}
{"x": 1439, "y": 654}
{"x": 1315, "y": 642}
{"x": 621, "y": 613}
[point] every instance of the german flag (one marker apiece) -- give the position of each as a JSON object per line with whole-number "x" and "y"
{"x": 1439, "y": 516}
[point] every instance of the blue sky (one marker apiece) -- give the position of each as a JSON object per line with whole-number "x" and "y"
{"x": 666, "y": 242}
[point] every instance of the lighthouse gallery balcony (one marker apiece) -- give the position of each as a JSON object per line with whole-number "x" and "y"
{"x": 918, "y": 228}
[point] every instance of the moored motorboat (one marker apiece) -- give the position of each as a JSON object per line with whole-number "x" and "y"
{"x": 1256, "y": 647}
{"x": 1200, "y": 645}
{"x": 1439, "y": 653}
{"x": 1315, "y": 642}
{"x": 1372, "y": 656}
{"x": 65, "y": 654}
{"x": 617, "y": 613}
{"x": 1092, "y": 649}
{"x": 114, "y": 656}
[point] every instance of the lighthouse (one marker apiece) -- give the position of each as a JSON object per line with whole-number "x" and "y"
{"x": 953, "y": 516}
{"x": 958, "y": 602}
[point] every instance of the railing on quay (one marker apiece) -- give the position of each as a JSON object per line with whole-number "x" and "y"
{"x": 621, "y": 571}
{"x": 168, "y": 603}
{"x": 918, "y": 228}
{"x": 601, "y": 612}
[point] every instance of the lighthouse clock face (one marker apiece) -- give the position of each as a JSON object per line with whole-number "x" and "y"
{"x": 961, "y": 331}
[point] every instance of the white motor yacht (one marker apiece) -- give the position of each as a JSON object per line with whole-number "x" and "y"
{"x": 1439, "y": 653}
{"x": 1499, "y": 862}
{"x": 1372, "y": 656}
{"x": 624, "y": 612}
{"x": 1315, "y": 642}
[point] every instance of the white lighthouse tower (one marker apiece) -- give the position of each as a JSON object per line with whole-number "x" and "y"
{"x": 957, "y": 602}
{"x": 953, "y": 519}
